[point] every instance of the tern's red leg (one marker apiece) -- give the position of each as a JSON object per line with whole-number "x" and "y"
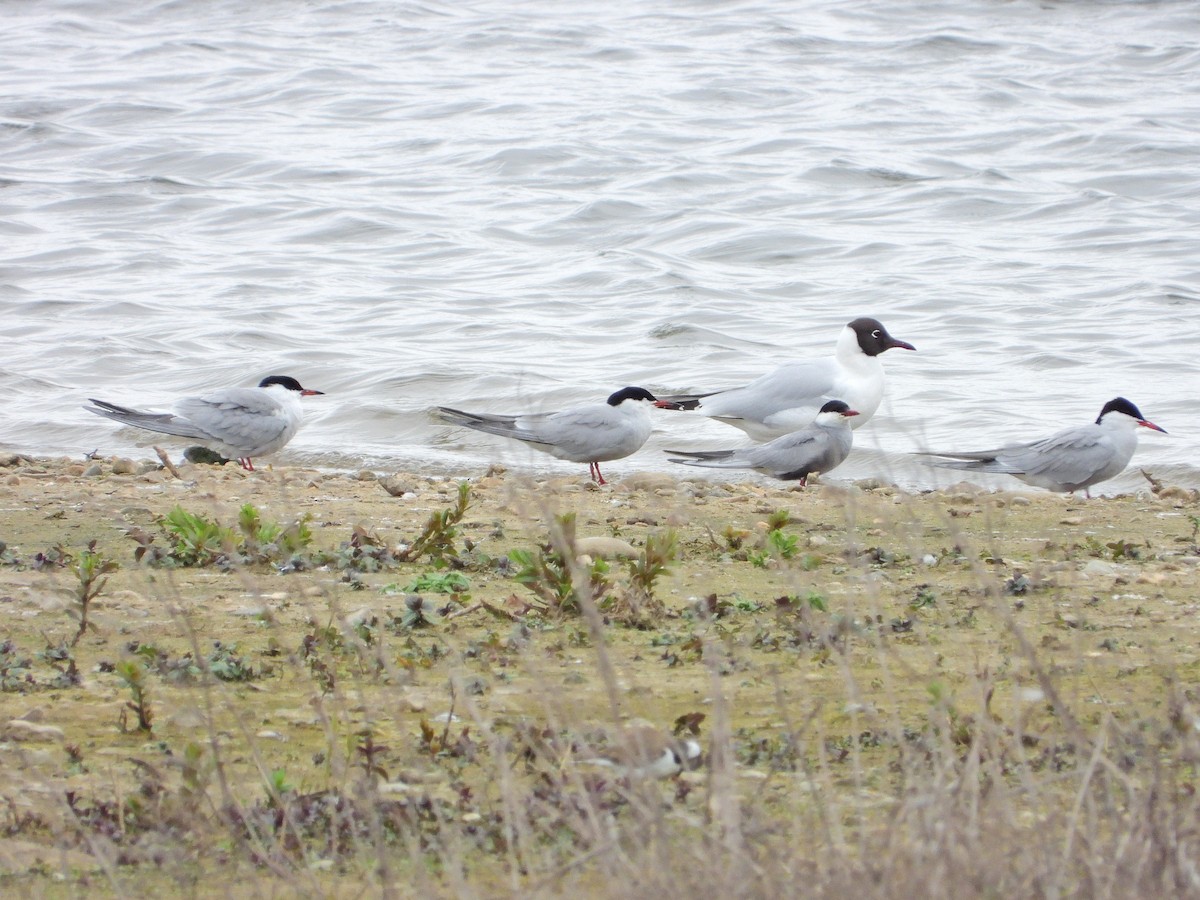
{"x": 247, "y": 463}
{"x": 599, "y": 477}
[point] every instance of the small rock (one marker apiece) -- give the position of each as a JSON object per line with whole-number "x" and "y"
{"x": 394, "y": 787}
{"x": 1071, "y": 520}
{"x": 120, "y": 599}
{"x": 396, "y": 486}
{"x": 647, "y": 481}
{"x": 124, "y": 466}
{"x": 607, "y": 547}
{"x": 21, "y": 730}
{"x": 204, "y": 456}
{"x": 92, "y": 471}
{"x": 366, "y": 475}
{"x": 359, "y": 616}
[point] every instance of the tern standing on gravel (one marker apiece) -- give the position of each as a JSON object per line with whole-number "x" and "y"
{"x": 239, "y": 423}
{"x": 592, "y": 434}
{"x": 1070, "y": 460}
{"x": 781, "y": 401}
{"x": 817, "y": 447}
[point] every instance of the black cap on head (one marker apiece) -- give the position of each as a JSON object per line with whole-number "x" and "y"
{"x": 873, "y": 338}
{"x": 630, "y": 393}
{"x": 283, "y": 380}
{"x": 288, "y": 382}
{"x": 1121, "y": 405}
{"x": 836, "y": 406}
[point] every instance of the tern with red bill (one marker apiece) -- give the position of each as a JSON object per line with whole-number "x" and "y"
{"x": 1070, "y": 460}
{"x": 239, "y": 423}
{"x": 817, "y": 447}
{"x": 788, "y": 398}
{"x": 592, "y": 433}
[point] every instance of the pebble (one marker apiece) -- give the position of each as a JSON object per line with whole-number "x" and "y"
{"x": 397, "y": 487}
{"x": 1100, "y": 567}
{"x": 92, "y": 471}
{"x": 21, "y": 730}
{"x": 653, "y": 482}
{"x": 123, "y": 466}
{"x": 606, "y": 547}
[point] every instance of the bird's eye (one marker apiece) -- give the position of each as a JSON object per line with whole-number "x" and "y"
{"x": 875, "y": 333}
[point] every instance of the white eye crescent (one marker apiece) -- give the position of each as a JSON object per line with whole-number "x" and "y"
{"x": 875, "y": 333}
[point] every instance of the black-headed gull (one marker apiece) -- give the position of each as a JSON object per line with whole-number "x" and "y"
{"x": 789, "y": 397}
{"x": 819, "y": 446}
{"x": 239, "y": 423}
{"x": 1070, "y": 460}
{"x": 592, "y": 433}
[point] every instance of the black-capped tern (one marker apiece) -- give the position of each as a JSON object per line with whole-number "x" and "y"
{"x": 818, "y": 447}
{"x": 1070, "y": 460}
{"x": 592, "y": 433}
{"x": 239, "y": 423}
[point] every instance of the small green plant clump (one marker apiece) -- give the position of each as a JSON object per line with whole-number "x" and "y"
{"x": 454, "y": 583}
{"x": 93, "y": 570}
{"x": 193, "y": 539}
{"x": 557, "y": 573}
{"x": 131, "y": 672}
{"x": 551, "y": 570}
{"x": 436, "y": 541}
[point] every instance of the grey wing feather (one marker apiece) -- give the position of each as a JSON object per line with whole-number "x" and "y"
{"x": 164, "y": 423}
{"x": 237, "y": 416}
{"x": 1068, "y": 457}
{"x": 504, "y": 426}
{"x": 794, "y": 385}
